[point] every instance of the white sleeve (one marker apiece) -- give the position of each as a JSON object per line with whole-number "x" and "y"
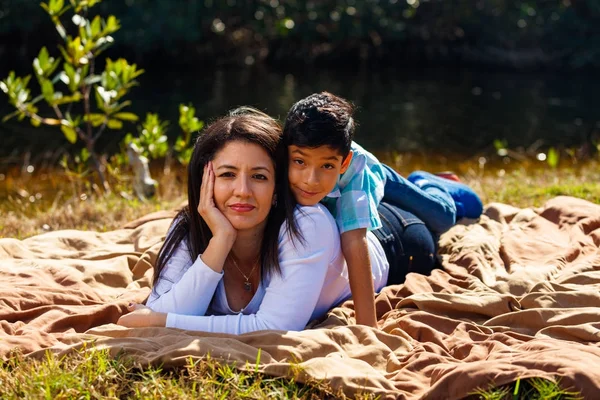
{"x": 290, "y": 298}
{"x": 184, "y": 287}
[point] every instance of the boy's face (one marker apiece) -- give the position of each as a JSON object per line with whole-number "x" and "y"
{"x": 314, "y": 172}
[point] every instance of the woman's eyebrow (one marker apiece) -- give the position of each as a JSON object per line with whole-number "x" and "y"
{"x": 261, "y": 168}
{"x": 233, "y": 167}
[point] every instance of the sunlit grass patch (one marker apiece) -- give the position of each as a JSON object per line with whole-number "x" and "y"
{"x": 95, "y": 374}
{"x": 32, "y": 207}
{"x": 526, "y": 389}
{"x": 523, "y": 187}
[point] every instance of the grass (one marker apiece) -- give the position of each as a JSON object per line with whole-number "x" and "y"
{"x": 33, "y": 204}
{"x": 92, "y": 373}
{"x": 527, "y": 389}
{"x": 51, "y": 201}
{"x": 95, "y": 374}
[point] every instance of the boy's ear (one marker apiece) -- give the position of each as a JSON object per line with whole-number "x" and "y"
{"x": 346, "y": 162}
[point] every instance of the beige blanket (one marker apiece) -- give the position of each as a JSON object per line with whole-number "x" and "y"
{"x": 519, "y": 297}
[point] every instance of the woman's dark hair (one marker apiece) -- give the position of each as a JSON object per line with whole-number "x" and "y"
{"x": 247, "y": 125}
{"x": 321, "y": 119}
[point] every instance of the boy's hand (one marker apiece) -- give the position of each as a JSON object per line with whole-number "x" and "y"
{"x": 356, "y": 252}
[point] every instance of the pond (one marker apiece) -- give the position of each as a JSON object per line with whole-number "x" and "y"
{"x": 451, "y": 113}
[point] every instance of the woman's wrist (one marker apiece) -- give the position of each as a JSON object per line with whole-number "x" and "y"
{"x": 217, "y": 251}
{"x": 223, "y": 241}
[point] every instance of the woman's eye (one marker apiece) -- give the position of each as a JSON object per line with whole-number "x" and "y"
{"x": 226, "y": 175}
{"x": 299, "y": 162}
{"x": 260, "y": 177}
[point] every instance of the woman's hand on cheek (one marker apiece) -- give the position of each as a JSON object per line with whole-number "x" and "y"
{"x": 141, "y": 316}
{"x": 217, "y": 222}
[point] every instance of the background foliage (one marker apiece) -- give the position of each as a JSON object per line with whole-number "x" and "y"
{"x": 531, "y": 34}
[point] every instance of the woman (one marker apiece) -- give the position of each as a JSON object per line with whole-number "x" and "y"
{"x": 247, "y": 259}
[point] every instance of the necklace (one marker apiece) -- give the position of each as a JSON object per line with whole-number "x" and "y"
{"x": 247, "y": 283}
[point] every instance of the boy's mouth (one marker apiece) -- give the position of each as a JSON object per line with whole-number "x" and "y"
{"x": 306, "y": 194}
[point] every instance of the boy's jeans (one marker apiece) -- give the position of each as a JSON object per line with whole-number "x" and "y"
{"x": 408, "y": 245}
{"x": 430, "y": 203}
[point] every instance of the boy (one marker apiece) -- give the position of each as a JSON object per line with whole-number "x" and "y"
{"x": 326, "y": 166}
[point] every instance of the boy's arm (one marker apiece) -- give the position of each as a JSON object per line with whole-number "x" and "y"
{"x": 356, "y": 252}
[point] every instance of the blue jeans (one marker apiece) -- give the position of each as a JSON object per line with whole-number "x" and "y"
{"x": 431, "y": 203}
{"x": 408, "y": 245}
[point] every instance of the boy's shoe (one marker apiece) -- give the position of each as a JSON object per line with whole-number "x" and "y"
{"x": 468, "y": 203}
{"x": 448, "y": 175}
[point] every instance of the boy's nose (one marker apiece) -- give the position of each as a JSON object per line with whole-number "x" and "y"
{"x": 312, "y": 177}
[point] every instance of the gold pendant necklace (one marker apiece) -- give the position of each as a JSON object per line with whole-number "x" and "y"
{"x": 247, "y": 283}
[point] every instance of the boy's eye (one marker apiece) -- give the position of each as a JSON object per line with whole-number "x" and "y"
{"x": 328, "y": 166}
{"x": 298, "y": 161}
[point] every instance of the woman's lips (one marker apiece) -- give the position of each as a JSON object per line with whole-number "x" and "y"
{"x": 238, "y": 207}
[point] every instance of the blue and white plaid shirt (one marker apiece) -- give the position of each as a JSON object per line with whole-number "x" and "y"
{"x": 354, "y": 200}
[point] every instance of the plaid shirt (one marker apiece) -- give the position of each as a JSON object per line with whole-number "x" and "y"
{"x": 354, "y": 200}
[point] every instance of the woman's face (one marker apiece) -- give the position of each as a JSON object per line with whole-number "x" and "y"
{"x": 244, "y": 184}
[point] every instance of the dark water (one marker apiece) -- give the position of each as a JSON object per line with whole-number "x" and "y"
{"x": 438, "y": 112}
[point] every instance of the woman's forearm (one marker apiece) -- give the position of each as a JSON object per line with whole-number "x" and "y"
{"x": 183, "y": 288}
{"x": 216, "y": 252}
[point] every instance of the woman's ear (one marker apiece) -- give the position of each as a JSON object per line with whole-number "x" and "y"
{"x": 346, "y": 162}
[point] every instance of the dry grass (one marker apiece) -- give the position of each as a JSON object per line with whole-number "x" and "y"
{"x": 35, "y": 204}
{"x": 50, "y": 201}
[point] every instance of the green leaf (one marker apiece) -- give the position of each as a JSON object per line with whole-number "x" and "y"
{"x": 84, "y": 154}
{"x": 95, "y": 26}
{"x": 128, "y": 138}
{"x": 99, "y": 102}
{"x": 35, "y": 122}
{"x": 114, "y": 124}
{"x": 42, "y": 62}
{"x": 69, "y": 133}
{"x": 48, "y": 91}
{"x": 44, "y": 57}
{"x": 112, "y": 25}
{"x": 57, "y": 5}
{"x": 121, "y": 106}
{"x": 53, "y": 7}
{"x": 126, "y": 116}
{"x": 553, "y": 157}
{"x": 60, "y": 99}
{"x": 499, "y": 144}
{"x": 95, "y": 119}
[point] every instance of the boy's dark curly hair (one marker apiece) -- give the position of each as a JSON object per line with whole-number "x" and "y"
{"x": 321, "y": 119}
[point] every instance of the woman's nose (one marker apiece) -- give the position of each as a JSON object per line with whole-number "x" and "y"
{"x": 242, "y": 187}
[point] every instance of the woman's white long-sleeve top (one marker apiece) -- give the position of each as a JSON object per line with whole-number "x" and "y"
{"x": 313, "y": 279}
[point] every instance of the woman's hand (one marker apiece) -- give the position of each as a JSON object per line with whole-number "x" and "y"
{"x": 217, "y": 222}
{"x": 141, "y": 316}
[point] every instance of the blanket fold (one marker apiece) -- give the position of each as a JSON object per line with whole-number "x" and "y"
{"x": 518, "y": 297}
